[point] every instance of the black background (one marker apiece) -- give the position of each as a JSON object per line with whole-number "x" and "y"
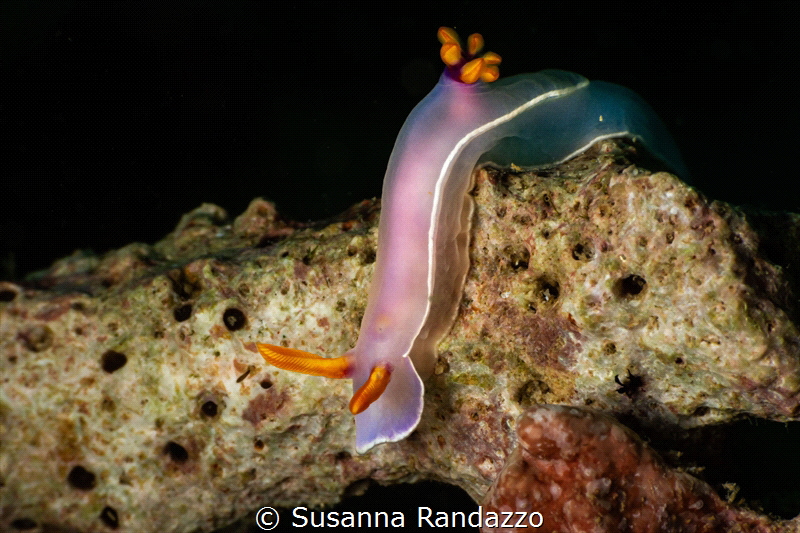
{"x": 117, "y": 117}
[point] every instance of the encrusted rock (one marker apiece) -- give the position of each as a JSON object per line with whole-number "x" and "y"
{"x": 132, "y": 393}
{"x": 579, "y": 470}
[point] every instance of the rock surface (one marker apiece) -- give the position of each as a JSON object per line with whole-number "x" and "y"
{"x": 132, "y": 394}
{"x": 578, "y": 470}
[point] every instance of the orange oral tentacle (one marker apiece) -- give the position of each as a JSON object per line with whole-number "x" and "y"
{"x": 371, "y": 390}
{"x": 304, "y": 362}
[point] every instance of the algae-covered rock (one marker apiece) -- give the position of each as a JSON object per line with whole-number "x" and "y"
{"x": 133, "y": 396}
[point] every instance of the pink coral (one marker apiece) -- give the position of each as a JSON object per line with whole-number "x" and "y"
{"x": 583, "y": 471}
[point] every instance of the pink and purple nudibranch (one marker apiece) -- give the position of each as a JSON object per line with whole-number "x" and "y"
{"x": 468, "y": 119}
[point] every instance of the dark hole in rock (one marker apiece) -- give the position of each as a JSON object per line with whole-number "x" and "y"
{"x": 234, "y": 319}
{"x": 209, "y": 409}
{"x": 109, "y": 517}
{"x": 581, "y": 252}
{"x": 630, "y": 286}
{"x": 7, "y": 296}
{"x": 265, "y": 384}
{"x": 547, "y": 290}
{"x": 176, "y": 452}
{"x": 183, "y": 312}
{"x": 23, "y": 524}
{"x": 82, "y": 479}
{"x": 517, "y": 258}
{"x": 112, "y": 361}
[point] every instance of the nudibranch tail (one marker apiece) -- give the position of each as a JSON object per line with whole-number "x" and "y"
{"x": 306, "y": 363}
{"x": 396, "y": 412}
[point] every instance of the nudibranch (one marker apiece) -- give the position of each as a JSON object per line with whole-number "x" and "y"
{"x": 469, "y": 118}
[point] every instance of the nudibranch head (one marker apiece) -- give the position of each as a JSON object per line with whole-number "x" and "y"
{"x": 467, "y": 67}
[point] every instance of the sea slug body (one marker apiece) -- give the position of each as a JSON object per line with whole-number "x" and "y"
{"x": 468, "y": 119}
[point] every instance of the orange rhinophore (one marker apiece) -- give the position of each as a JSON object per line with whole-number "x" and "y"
{"x": 304, "y": 362}
{"x": 329, "y": 367}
